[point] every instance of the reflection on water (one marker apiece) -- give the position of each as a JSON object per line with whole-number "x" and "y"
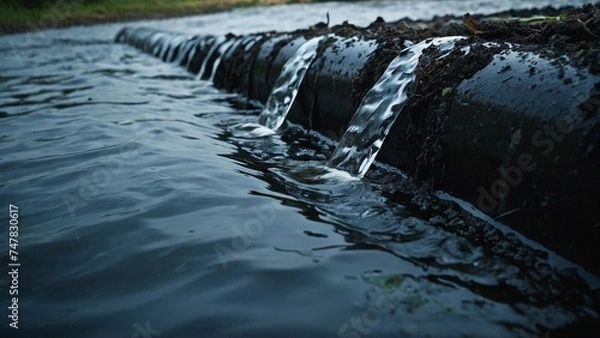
{"x": 145, "y": 207}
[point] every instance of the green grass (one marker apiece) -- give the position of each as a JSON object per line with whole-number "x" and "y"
{"x": 59, "y": 13}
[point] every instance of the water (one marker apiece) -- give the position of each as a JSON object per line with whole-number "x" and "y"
{"x": 379, "y": 109}
{"x": 223, "y": 49}
{"x": 287, "y": 84}
{"x": 144, "y": 210}
{"x": 202, "y": 73}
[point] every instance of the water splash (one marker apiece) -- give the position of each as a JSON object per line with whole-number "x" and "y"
{"x": 286, "y": 87}
{"x": 250, "y": 131}
{"x": 378, "y": 110}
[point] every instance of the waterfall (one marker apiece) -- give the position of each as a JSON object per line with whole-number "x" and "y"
{"x": 213, "y": 48}
{"x": 185, "y": 51}
{"x": 378, "y": 110}
{"x": 156, "y": 40}
{"x": 225, "y": 46}
{"x": 197, "y": 50}
{"x": 287, "y": 84}
{"x": 165, "y": 46}
{"x": 177, "y": 44}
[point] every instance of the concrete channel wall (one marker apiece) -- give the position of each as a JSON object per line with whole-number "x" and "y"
{"x": 517, "y": 137}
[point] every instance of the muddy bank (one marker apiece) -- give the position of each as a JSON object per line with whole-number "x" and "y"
{"x": 508, "y": 120}
{"x": 513, "y": 127}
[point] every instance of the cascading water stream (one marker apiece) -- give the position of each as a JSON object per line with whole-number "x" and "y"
{"x": 156, "y": 40}
{"x": 212, "y": 49}
{"x": 287, "y": 84}
{"x": 185, "y": 51}
{"x": 379, "y": 109}
{"x": 198, "y": 47}
{"x": 166, "y": 46}
{"x": 225, "y": 46}
{"x": 178, "y": 43}
{"x": 370, "y": 124}
{"x": 283, "y": 94}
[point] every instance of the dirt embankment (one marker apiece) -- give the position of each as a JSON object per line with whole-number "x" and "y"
{"x": 419, "y": 140}
{"x": 572, "y": 31}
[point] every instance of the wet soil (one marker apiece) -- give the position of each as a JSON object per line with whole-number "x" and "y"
{"x": 551, "y": 32}
{"x": 547, "y": 31}
{"x": 420, "y": 200}
{"x": 566, "y": 31}
{"x": 571, "y": 31}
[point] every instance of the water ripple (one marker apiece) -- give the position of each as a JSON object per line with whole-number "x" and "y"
{"x": 147, "y": 196}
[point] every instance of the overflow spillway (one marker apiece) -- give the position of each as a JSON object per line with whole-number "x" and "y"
{"x": 512, "y": 129}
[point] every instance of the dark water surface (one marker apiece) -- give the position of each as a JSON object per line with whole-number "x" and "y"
{"x": 146, "y": 211}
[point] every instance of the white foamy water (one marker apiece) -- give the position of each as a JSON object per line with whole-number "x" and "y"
{"x": 250, "y": 130}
